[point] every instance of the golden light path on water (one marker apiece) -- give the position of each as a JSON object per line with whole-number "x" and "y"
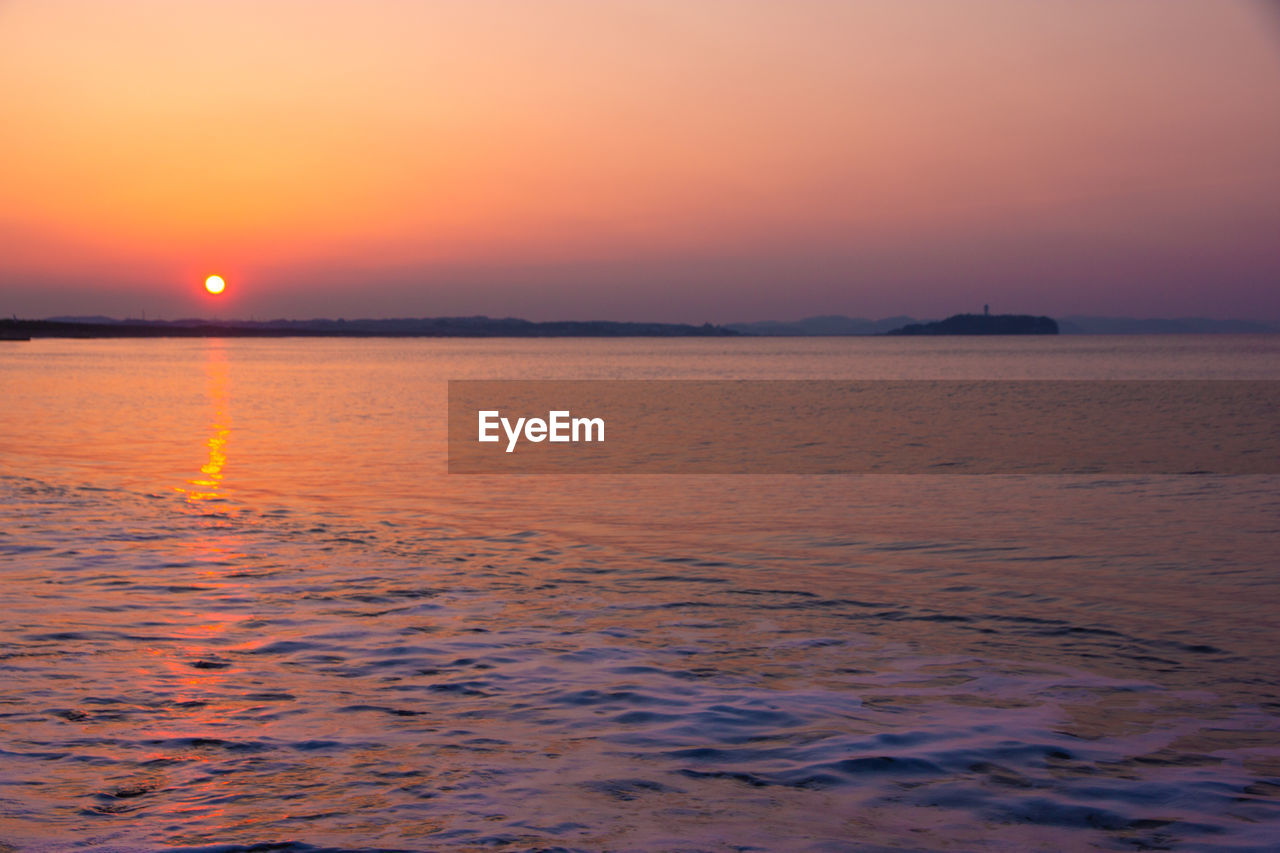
{"x": 208, "y": 485}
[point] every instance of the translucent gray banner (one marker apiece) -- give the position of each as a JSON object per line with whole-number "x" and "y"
{"x": 864, "y": 427}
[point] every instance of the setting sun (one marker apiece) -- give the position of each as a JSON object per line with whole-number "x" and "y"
{"x": 214, "y": 284}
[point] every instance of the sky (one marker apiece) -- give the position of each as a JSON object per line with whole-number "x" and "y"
{"x": 669, "y": 160}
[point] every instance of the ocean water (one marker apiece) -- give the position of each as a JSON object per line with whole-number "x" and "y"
{"x": 242, "y": 603}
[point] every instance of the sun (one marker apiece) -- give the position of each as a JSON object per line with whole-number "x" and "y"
{"x": 214, "y": 284}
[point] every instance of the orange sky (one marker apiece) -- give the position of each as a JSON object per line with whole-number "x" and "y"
{"x": 721, "y": 160}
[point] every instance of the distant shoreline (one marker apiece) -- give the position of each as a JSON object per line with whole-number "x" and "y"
{"x": 443, "y": 327}
{"x": 487, "y": 327}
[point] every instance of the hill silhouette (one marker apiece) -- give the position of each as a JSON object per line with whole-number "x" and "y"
{"x": 983, "y": 324}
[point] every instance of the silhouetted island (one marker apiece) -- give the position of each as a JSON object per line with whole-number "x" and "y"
{"x": 983, "y": 324}
{"x": 425, "y": 327}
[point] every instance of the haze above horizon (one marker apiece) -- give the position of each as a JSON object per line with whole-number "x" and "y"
{"x": 650, "y": 161}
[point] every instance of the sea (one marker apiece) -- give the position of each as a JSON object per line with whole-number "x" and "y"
{"x": 245, "y": 607}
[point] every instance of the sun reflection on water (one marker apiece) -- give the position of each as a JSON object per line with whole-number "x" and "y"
{"x": 200, "y": 725}
{"x": 208, "y": 486}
